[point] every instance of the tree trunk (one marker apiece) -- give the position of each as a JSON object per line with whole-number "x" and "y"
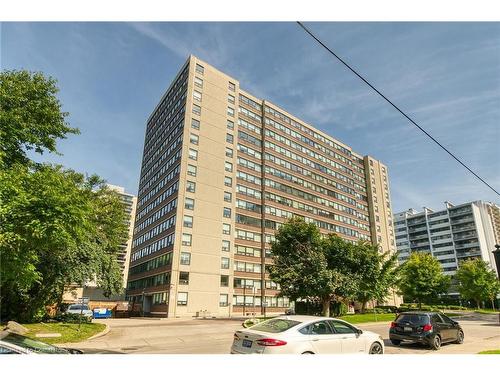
{"x": 326, "y": 306}
{"x": 493, "y": 304}
{"x": 419, "y": 305}
{"x": 478, "y": 304}
{"x": 363, "y": 307}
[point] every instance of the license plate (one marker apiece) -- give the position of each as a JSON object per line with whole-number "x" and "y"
{"x": 408, "y": 329}
{"x": 247, "y": 343}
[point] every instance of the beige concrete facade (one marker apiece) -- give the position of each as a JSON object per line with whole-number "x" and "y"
{"x": 224, "y": 169}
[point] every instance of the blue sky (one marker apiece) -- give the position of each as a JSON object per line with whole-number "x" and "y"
{"x": 445, "y": 75}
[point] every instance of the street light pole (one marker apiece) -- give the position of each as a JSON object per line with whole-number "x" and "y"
{"x": 496, "y": 256}
{"x": 244, "y": 298}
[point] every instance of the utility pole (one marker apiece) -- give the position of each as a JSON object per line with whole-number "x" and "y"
{"x": 244, "y": 298}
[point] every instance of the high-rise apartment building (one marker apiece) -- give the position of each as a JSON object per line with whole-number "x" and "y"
{"x": 221, "y": 171}
{"x": 451, "y": 235}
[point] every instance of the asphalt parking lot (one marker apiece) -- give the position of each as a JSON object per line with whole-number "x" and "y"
{"x": 215, "y": 336}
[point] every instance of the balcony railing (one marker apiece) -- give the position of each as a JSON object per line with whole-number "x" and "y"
{"x": 466, "y": 245}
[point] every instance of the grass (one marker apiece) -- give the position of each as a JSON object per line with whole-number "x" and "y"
{"x": 496, "y": 351}
{"x": 487, "y": 311}
{"x": 69, "y": 331}
{"x": 368, "y": 318}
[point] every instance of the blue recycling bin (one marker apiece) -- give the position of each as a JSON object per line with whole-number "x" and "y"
{"x": 102, "y": 313}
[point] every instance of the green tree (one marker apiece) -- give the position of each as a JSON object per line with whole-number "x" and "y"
{"x": 378, "y": 273}
{"x": 477, "y": 281}
{"x": 57, "y": 227}
{"x": 30, "y": 116}
{"x": 308, "y": 266}
{"x": 422, "y": 278}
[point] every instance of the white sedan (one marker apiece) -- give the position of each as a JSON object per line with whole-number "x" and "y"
{"x": 300, "y": 334}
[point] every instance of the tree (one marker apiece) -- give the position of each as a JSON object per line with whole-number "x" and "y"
{"x": 378, "y": 273}
{"x": 477, "y": 281}
{"x": 422, "y": 278}
{"x": 56, "y": 226}
{"x": 308, "y": 266}
{"x": 30, "y": 116}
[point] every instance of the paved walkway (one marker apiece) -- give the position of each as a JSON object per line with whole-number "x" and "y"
{"x": 215, "y": 336}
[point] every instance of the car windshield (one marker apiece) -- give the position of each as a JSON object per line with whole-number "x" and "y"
{"x": 33, "y": 345}
{"x": 78, "y": 307}
{"x": 413, "y": 319}
{"x": 275, "y": 325}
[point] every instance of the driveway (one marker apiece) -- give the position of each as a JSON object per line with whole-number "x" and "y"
{"x": 215, "y": 336}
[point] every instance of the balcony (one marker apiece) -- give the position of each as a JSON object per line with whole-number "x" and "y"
{"x": 417, "y": 230}
{"x": 465, "y": 237}
{"x": 470, "y": 253}
{"x": 464, "y": 228}
{"x": 461, "y": 211}
{"x": 465, "y": 219}
{"x": 466, "y": 245}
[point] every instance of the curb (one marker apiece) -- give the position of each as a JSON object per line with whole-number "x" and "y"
{"x": 100, "y": 334}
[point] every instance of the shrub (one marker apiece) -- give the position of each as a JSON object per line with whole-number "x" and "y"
{"x": 72, "y": 318}
{"x": 387, "y": 309}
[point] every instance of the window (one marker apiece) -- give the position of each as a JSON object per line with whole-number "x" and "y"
{"x": 229, "y": 152}
{"x": 341, "y": 328}
{"x": 190, "y": 186}
{"x": 223, "y": 301}
{"x": 186, "y": 239}
{"x": 198, "y": 82}
{"x": 226, "y": 228}
{"x": 193, "y": 154}
{"x": 191, "y": 170}
{"x": 228, "y": 166}
{"x": 232, "y": 86}
{"x": 318, "y": 328}
{"x": 195, "y": 124}
{"x": 226, "y": 245}
{"x": 230, "y": 124}
{"x": 224, "y": 280}
{"x": 224, "y": 264}
{"x": 185, "y": 258}
{"x": 189, "y": 204}
{"x": 193, "y": 138}
{"x": 200, "y": 69}
{"x": 196, "y": 109}
{"x": 230, "y": 98}
{"x": 183, "y": 278}
{"x": 377, "y": 218}
{"x": 229, "y": 138}
{"x": 227, "y": 196}
{"x": 197, "y": 96}
{"x": 228, "y": 181}
{"x": 230, "y": 111}
{"x": 227, "y": 212}
{"x": 182, "y": 298}
{"x": 188, "y": 221}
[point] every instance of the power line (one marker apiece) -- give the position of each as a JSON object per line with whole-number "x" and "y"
{"x": 396, "y": 107}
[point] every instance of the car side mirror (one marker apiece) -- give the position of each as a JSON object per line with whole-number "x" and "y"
{"x": 359, "y": 332}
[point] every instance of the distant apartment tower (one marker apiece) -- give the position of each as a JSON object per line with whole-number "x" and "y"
{"x": 457, "y": 233}
{"x": 130, "y": 202}
{"x": 221, "y": 171}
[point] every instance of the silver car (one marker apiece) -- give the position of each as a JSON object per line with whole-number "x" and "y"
{"x": 300, "y": 334}
{"x": 77, "y": 308}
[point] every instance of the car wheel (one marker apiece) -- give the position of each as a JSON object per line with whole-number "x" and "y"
{"x": 308, "y": 353}
{"x": 376, "y": 348}
{"x": 460, "y": 337}
{"x": 436, "y": 343}
{"x": 395, "y": 342}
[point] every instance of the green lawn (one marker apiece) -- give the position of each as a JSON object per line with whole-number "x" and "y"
{"x": 496, "y": 351}
{"x": 368, "y": 318}
{"x": 487, "y": 311}
{"x": 69, "y": 331}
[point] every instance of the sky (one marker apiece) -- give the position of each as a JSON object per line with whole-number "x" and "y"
{"x": 446, "y": 76}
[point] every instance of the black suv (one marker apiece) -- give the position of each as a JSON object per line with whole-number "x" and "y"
{"x": 429, "y": 328}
